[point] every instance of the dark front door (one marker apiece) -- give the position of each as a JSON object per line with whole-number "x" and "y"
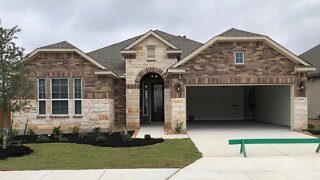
{"x": 157, "y": 102}
{"x": 151, "y": 99}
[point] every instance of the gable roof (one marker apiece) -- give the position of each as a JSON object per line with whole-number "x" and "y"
{"x": 59, "y": 45}
{"x": 111, "y": 56}
{"x": 149, "y": 33}
{"x": 239, "y": 35}
{"x": 65, "y": 46}
{"x": 312, "y": 56}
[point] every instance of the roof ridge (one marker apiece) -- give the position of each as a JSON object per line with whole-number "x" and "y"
{"x": 240, "y": 32}
{"x": 177, "y": 36}
{"x": 68, "y": 45}
{"x": 115, "y": 43}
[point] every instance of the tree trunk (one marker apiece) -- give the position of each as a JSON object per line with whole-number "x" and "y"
{"x": 5, "y": 129}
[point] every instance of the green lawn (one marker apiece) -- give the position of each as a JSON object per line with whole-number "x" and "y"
{"x": 169, "y": 154}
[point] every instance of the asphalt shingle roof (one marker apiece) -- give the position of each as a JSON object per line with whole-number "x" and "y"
{"x": 312, "y": 56}
{"x": 111, "y": 57}
{"x": 238, "y": 33}
{"x": 59, "y": 45}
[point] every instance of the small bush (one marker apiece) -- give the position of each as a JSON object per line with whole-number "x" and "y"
{"x": 56, "y": 131}
{"x": 96, "y": 131}
{"x": 15, "y": 142}
{"x": 178, "y": 128}
{"x": 83, "y": 135}
{"x": 110, "y": 130}
{"x": 63, "y": 139}
{"x": 126, "y": 137}
{"x": 147, "y": 136}
{"x": 75, "y": 130}
{"x": 101, "y": 139}
{"x": 42, "y": 139}
{"x": 31, "y": 132}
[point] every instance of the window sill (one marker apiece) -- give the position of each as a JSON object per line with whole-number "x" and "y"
{"x": 59, "y": 116}
{"x": 239, "y": 64}
{"x": 77, "y": 116}
{"x": 151, "y": 59}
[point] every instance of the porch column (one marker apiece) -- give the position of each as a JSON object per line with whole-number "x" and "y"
{"x": 300, "y": 104}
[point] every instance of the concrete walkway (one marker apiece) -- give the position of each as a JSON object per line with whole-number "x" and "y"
{"x": 220, "y": 160}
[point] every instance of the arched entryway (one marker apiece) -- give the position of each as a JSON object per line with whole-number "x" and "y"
{"x": 151, "y": 98}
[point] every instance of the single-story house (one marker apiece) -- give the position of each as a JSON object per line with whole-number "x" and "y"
{"x": 312, "y": 56}
{"x": 170, "y": 79}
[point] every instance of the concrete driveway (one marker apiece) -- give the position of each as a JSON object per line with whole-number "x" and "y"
{"x": 222, "y": 161}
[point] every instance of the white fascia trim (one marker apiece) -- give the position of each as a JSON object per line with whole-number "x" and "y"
{"x": 148, "y": 34}
{"x": 174, "y": 51}
{"x": 107, "y": 73}
{"x": 128, "y": 51}
{"x": 304, "y": 69}
{"x": 266, "y": 39}
{"x": 67, "y": 50}
{"x": 176, "y": 71}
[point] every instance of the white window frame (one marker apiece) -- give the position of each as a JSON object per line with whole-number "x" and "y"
{"x": 235, "y": 57}
{"x": 154, "y": 49}
{"x": 45, "y": 95}
{"x": 77, "y": 99}
{"x": 59, "y": 99}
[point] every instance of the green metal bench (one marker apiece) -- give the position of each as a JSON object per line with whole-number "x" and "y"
{"x": 242, "y": 142}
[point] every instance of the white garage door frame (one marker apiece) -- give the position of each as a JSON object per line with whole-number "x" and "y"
{"x": 219, "y": 85}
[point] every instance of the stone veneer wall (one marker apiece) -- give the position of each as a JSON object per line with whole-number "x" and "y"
{"x": 95, "y": 113}
{"x": 136, "y": 69}
{"x": 178, "y": 112}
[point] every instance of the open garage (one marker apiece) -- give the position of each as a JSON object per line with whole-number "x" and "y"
{"x": 261, "y": 103}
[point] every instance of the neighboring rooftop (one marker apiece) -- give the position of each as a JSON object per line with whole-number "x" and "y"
{"x": 238, "y": 33}
{"x": 312, "y": 56}
{"x": 111, "y": 57}
{"x": 59, "y": 45}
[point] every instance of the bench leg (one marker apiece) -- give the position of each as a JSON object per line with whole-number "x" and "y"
{"x": 243, "y": 148}
{"x": 318, "y": 149}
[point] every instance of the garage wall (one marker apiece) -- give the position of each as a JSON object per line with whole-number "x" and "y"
{"x": 273, "y": 104}
{"x": 215, "y": 103}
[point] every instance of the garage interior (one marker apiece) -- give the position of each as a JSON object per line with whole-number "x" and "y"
{"x": 263, "y": 103}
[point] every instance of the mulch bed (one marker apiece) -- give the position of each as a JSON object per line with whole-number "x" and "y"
{"x": 14, "y": 151}
{"x": 112, "y": 140}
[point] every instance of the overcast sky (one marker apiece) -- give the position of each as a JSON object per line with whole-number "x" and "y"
{"x": 93, "y": 24}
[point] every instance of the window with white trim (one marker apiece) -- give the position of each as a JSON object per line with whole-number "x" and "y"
{"x": 77, "y": 96}
{"x": 41, "y": 96}
{"x": 59, "y": 96}
{"x": 151, "y": 51}
{"x": 239, "y": 57}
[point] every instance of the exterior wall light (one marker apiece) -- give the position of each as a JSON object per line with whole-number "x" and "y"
{"x": 178, "y": 87}
{"x": 302, "y": 85}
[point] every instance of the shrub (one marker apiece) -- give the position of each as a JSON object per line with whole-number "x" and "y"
{"x": 96, "y": 131}
{"x": 42, "y": 139}
{"x": 75, "y": 130}
{"x": 126, "y": 137}
{"x": 147, "y": 136}
{"x": 56, "y": 131}
{"x": 179, "y": 126}
{"x": 101, "y": 139}
{"x": 15, "y": 142}
{"x": 31, "y": 132}
{"x": 83, "y": 135}
{"x": 110, "y": 131}
{"x": 63, "y": 139}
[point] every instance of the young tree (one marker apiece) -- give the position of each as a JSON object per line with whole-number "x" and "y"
{"x": 14, "y": 83}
